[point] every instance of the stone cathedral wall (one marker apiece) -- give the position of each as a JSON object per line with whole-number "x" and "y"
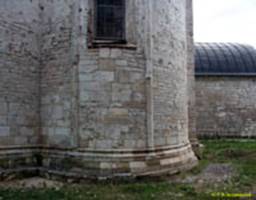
{"x": 112, "y": 105}
{"x": 59, "y": 82}
{"x": 113, "y": 110}
{"x": 169, "y": 58}
{"x": 110, "y": 99}
{"x": 19, "y": 83}
{"x": 19, "y": 73}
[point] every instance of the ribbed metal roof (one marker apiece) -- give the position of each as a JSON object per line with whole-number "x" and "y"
{"x": 222, "y": 59}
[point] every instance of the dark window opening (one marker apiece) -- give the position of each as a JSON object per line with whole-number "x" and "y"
{"x": 110, "y": 21}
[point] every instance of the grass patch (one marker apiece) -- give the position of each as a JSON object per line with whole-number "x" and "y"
{"x": 241, "y": 154}
{"x": 136, "y": 191}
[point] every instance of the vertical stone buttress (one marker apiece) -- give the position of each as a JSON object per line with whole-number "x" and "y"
{"x": 191, "y": 75}
{"x": 149, "y": 76}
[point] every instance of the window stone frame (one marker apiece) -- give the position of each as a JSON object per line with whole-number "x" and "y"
{"x": 129, "y": 28}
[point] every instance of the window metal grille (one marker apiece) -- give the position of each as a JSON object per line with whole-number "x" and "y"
{"x": 110, "y": 20}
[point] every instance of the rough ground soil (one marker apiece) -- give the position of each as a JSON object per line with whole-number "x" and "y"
{"x": 31, "y": 183}
{"x": 212, "y": 174}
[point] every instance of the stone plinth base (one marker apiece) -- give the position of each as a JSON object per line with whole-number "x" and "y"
{"x": 96, "y": 164}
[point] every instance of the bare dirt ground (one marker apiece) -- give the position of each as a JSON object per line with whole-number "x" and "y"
{"x": 30, "y": 183}
{"x": 212, "y": 174}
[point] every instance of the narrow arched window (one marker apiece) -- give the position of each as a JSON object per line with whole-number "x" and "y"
{"x": 110, "y": 20}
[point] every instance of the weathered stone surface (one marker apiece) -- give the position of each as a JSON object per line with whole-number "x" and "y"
{"x": 121, "y": 63}
{"x": 4, "y": 131}
{"x": 226, "y": 106}
{"x": 115, "y": 53}
{"x": 104, "y": 53}
{"x": 121, "y": 92}
{"x": 170, "y": 99}
{"x": 138, "y": 165}
{"x": 19, "y": 72}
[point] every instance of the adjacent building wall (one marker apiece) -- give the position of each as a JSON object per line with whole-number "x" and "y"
{"x": 226, "y": 106}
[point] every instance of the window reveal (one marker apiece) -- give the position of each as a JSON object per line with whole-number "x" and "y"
{"x": 110, "y": 20}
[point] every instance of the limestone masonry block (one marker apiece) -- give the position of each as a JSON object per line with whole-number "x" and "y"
{"x": 137, "y": 165}
{"x": 4, "y": 131}
{"x": 115, "y": 53}
{"x": 104, "y": 53}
